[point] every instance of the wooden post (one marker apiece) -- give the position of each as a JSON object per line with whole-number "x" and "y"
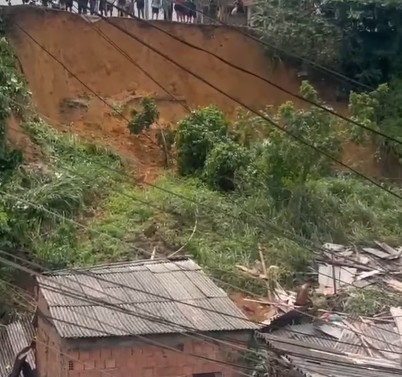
{"x": 333, "y": 274}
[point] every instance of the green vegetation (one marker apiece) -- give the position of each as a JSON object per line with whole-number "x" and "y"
{"x": 239, "y": 187}
{"x": 369, "y": 301}
{"x": 360, "y": 39}
{"x": 37, "y": 199}
{"x": 143, "y": 119}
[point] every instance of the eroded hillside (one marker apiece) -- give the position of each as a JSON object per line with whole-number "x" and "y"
{"x": 82, "y": 48}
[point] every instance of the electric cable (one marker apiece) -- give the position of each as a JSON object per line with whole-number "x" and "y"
{"x": 144, "y": 202}
{"x": 268, "y": 119}
{"x": 138, "y": 66}
{"x": 253, "y": 74}
{"x": 82, "y": 272}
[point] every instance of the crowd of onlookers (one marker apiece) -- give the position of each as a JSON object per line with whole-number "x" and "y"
{"x": 185, "y": 10}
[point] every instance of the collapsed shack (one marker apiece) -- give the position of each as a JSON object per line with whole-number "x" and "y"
{"x": 335, "y": 346}
{"x": 360, "y": 267}
{"x": 300, "y": 342}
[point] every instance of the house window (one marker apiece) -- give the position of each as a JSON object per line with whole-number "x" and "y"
{"x": 180, "y": 347}
{"x": 207, "y": 375}
{"x": 70, "y": 365}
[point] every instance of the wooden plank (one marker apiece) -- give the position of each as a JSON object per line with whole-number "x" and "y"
{"x": 377, "y": 253}
{"x": 390, "y": 250}
{"x": 397, "y": 315}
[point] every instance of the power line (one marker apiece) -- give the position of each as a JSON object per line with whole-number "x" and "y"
{"x": 146, "y": 203}
{"x": 242, "y": 348}
{"x": 269, "y": 120}
{"x": 96, "y": 300}
{"x": 82, "y": 272}
{"x": 253, "y": 74}
{"x": 279, "y": 127}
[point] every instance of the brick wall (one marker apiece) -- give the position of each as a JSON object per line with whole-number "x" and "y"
{"x": 127, "y": 357}
{"x": 151, "y": 361}
{"x": 49, "y": 361}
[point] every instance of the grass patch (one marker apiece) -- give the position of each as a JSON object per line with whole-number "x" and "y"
{"x": 72, "y": 180}
{"x": 369, "y": 301}
{"x": 222, "y": 238}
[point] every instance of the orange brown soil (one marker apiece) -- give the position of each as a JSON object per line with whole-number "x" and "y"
{"x": 253, "y": 310}
{"x": 69, "y": 106}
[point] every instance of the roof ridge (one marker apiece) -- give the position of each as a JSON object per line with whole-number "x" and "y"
{"x": 171, "y": 301}
{"x": 139, "y": 262}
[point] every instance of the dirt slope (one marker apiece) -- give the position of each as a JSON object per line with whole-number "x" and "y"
{"x": 77, "y": 43}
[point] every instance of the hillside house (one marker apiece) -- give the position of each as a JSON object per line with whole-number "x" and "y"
{"x": 83, "y": 334}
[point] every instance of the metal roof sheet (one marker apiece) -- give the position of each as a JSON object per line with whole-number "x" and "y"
{"x": 313, "y": 362}
{"x": 155, "y": 297}
{"x": 13, "y": 338}
{"x": 380, "y": 336}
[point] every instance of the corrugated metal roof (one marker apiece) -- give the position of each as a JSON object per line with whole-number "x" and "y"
{"x": 13, "y": 338}
{"x": 178, "y": 292}
{"x": 380, "y": 336}
{"x": 323, "y": 362}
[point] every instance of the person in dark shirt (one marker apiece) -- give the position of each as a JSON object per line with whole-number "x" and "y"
{"x": 167, "y": 6}
{"x": 102, "y": 7}
{"x": 191, "y": 11}
{"x": 109, "y": 7}
{"x": 180, "y": 10}
{"x": 140, "y": 8}
{"x": 69, "y": 5}
{"x": 121, "y": 7}
{"x": 92, "y": 7}
{"x": 82, "y": 6}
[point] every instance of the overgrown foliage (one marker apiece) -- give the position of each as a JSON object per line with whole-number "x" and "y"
{"x": 242, "y": 186}
{"x": 13, "y": 96}
{"x": 293, "y": 26}
{"x": 196, "y": 136}
{"x": 362, "y": 39}
{"x": 222, "y": 163}
{"x": 379, "y": 110}
{"x": 144, "y": 118}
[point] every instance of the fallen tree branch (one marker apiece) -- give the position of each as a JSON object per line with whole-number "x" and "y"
{"x": 189, "y": 239}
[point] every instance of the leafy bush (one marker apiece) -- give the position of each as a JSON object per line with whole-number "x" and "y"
{"x": 360, "y": 39}
{"x": 292, "y": 26}
{"x": 284, "y": 162}
{"x": 222, "y": 163}
{"x": 379, "y": 110}
{"x": 144, "y": 118}
{"x": 196, "y": 136}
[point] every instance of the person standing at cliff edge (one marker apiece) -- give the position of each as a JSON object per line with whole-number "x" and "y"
{"x": 156, "y": 6}
{"x": 179, "y": 8}
{"x": 140, "y": 8}
{"x": 167, "y": 6}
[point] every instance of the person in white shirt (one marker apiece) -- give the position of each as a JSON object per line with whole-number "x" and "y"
{"x": 156, "y": 6}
